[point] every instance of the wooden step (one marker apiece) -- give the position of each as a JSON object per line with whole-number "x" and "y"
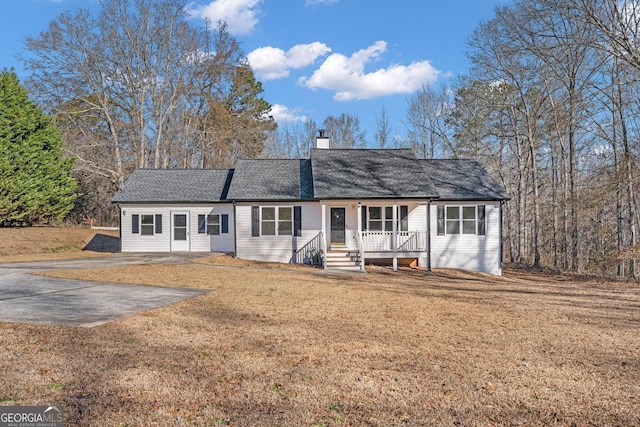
{"x": 343, "y": 260}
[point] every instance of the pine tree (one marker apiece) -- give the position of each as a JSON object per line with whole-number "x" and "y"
{"x": 36, "y": 185}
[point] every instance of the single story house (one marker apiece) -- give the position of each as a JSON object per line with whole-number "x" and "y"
{"x": 341, "y": 208}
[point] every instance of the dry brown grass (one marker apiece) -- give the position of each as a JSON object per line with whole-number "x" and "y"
{"x": 18, "y": 244}
{"x": 230, "y": 261}
{"x": 302, "y": 348}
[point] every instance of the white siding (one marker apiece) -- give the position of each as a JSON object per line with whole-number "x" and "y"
{"x": 417, "y": 216}
{"x": 162, "y": 242}
{"x": 468, "y": 251}
{"x": 274, "y": 248}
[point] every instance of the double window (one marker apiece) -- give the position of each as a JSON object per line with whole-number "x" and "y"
{"x": 380, "y": 218}
{"x": 461, "y": 220}
{"x": 146, "y": 224}
{"x": 276, "y": 221}
{"x": 213, "y": 224}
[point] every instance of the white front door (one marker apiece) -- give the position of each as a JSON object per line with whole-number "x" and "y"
{"x": 180, "y": 231}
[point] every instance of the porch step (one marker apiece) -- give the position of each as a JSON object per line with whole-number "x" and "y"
{"x": 343, "y": 260}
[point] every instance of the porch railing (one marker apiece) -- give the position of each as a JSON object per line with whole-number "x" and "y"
{"x": 313, "y": 252}
{"x": 361, "y": 250}
{"x": 406, "y": 241}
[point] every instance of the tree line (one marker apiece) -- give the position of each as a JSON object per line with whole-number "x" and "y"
{"x": 550, "y": 106}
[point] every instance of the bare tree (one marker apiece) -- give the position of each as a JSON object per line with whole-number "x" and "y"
{"x": 428, "y": 127}
{"x": 344, "y": 131}
{"x": 139, "y": 85}
{"x": 383, "y": 130}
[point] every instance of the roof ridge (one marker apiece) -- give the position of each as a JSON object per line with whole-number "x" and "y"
{"x": 183, "y": 169}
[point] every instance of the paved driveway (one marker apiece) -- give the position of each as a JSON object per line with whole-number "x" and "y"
{"x": 36, "y": 299}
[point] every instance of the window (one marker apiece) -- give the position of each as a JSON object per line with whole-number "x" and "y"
{"x": 285, "y": 221}
{"x": 213, "y": 224}
{"x": 268, "y": 222}
{"x": 453, "y": 220}
{"x": 377, "y": 218}
{"x": 274, "y": 221}
{"x": 146, "y": 225}
{"x": 461, "y": 220}
{"x": 404, "y": 218}
{"x": 388, "y": 218}
{"x": 468, "y": 220}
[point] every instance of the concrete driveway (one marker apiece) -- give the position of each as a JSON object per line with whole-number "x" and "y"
{"x": 36, "y": 299}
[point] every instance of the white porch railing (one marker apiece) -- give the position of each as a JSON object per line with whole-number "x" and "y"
{"x": 406, "y": 241}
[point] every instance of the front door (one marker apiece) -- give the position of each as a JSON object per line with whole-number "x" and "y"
{"x": 180, "y": 231}
{"x": 338, "y": 226}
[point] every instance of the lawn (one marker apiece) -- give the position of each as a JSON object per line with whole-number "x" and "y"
{"x": 272, "y": 346}
{"x": 18, "y": 244}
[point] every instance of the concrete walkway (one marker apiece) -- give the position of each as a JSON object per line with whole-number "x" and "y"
{"x": 27, "y": 298}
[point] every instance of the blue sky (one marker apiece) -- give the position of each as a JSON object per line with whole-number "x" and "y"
{"x": 317, "y": 57}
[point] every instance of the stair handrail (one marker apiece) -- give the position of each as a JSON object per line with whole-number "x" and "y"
{"x": 313, "y": 246}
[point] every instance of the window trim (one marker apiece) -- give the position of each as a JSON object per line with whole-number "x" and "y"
{"x": 137, "y": 227}
{"x": 276, "y": 221}
{"x": 479, "y": 220}
{"x": 210, "y": 224}
{"x": 203, "y": 224}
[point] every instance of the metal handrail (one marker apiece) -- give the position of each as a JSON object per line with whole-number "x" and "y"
{"x": 313, "y": 248}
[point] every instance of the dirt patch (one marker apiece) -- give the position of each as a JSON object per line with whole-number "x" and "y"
{"x": 315, "y": 349}
{"x": 18, "y": 244}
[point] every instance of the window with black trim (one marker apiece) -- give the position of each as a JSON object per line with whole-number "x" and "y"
{"x": 213, "y": 224}
{"x": 146, "y": 224}
{"x": 276, "y": 221}
{"x": 461, "y": 220}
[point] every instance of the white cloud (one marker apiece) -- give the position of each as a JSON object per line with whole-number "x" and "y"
{"x": 270, "y": 63}
{"x": 283, "y": 114}
{"x": 241, "y": 16}
{"x": 346, "y": 76}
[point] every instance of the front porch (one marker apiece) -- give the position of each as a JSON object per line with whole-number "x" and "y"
{"x": 379, "y": 247}
{"x": 358, "y": 232}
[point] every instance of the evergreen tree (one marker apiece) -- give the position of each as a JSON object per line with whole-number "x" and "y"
{"x": 36, "y": 185}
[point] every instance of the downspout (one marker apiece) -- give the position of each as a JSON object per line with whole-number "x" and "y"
{"x": 500, "y": 237}
{"x": 235, "y": 232}
{"x": 429, "y": 236}
{"x": 120, "y": 230}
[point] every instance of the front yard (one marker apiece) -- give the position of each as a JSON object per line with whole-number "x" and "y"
{"x": 294, "y": 347}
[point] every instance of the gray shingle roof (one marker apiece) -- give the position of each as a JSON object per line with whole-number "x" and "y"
{"x": 369, "y": 174}
{"x": 463, "y": 180}
{"x": 175, "y": 185}
{"x": 269, "y": 179}
{"x": 329, "y": 174}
